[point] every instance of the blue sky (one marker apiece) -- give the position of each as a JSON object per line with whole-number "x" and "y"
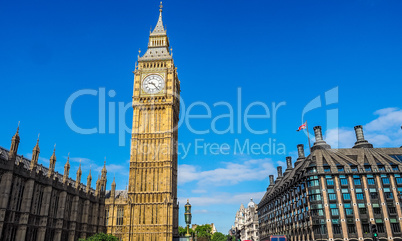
{"x": 285, "y": 52}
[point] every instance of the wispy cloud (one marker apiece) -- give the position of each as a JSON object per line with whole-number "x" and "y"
{"x": 229, "y": 174}
{"x": 224, "y": 198}
{"x": 383, "y": 131}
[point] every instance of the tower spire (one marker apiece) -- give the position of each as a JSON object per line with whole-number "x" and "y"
{"x": 52, "y": 163}
{"x": 35, "y": 154}
{"x": 89, "y": 180}
{"x": 158, "y": 44}
{"x": 66, "y": 169}
{"x": 15, "y": 141}
{"x": 78, "y": 180}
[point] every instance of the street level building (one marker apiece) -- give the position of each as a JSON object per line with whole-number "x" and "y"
{"x": 39, "y": 204}
{"x": 247, "y": 221}
{"x": 148, "y": 210}
{"x": 335, "y": 194}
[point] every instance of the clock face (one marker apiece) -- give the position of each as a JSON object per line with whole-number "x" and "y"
{"x": 153, "y": 84}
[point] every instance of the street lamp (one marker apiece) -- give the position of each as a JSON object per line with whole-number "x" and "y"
{"x": 187, "y": 217}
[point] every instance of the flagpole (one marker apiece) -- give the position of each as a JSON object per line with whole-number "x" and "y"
{"x": 308, "y": 136}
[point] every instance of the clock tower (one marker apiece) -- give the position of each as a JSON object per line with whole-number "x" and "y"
{"x": 152, "y": 190}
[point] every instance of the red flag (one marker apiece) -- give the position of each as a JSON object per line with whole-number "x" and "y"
{"x": 304, "y": 126}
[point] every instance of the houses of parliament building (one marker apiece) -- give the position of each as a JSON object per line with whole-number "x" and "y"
{"x": 39, "y": 204}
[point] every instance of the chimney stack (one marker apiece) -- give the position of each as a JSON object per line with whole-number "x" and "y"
{"x": 279, "y": 171}
{"x": 360, "y": 141}
{"x": 289, "y": 162}
{"x": 271, "y": 180}
{"x": 300, "y": 151}
{"x": 318, "y": 134}
{"x": 319, "y": 141}
{"x": 301, "y": 156}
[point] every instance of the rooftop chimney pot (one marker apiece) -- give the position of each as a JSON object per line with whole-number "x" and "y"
{"x": 279, "y": 171}
{"x": 289, "y": 162}
{"x": 271, "y": 180}
{"x": 360, "y": 141}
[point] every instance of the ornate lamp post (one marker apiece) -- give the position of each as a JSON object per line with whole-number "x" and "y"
{"x": 187, "y": 216}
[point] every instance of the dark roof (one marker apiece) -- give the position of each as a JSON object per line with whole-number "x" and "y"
{"x": 357, "y": 158}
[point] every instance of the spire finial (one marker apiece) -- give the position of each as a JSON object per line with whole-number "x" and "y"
{"x": 160, "y": 7}
{"x": 18, "y": 128}
{"x": 54, "y": 149}
{"x": 37, "y": 141}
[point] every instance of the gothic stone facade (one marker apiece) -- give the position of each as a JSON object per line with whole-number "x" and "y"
{"x": 336, "y": 194}
{"x": 247, "y": 221}
{"x": 148, "y": 209}
{"x": 39, "y": 204}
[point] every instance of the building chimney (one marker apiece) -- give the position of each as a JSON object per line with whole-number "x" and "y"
{"x": 289, "y": 162}
{"x": 360, "y": 141}
{"x": 318, "y": 133}
{"x": 319, "y": 141}
{"x": 279, "y": 171}
{"x": 300, "y": 151}
{"x": 271, "y": 180}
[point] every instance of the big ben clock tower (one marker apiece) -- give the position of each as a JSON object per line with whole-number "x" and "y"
{"x": 152, "y": 190}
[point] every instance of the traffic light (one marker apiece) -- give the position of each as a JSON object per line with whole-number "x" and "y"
{"x": 374, "y": 231}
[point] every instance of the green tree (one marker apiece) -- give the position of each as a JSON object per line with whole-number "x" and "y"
{"x": 101, "y": 237}
{"x": 204, "y": 231}
{"x": 182, "y": 231}
{"x": 218, "y": 237}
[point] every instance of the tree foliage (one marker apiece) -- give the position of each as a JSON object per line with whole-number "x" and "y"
{"x": 101, "y": 237}
{"x": 183, "y": 231}
{"x": 218, "y": 237}
{"x": 204, "y": 231}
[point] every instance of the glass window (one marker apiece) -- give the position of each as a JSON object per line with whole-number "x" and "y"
{"x": 399, "y": 180}
{"x": 351, "y": 228}
{"x": 357, "y": 181}
{"x": 336, "y": 226}
{"x": 370, "y": 181}
{"x": 330, "y": 182}
{"x": 346, "y": 196}
{"x": 367, "y": 168}
{"x": 120, "y": 215}
{"x": 345, "y": 190}
{"x": 334, "y": 209}
{"x": 385, "y": 180}
{"x": 344, "y": 181}
{"x": 348, "y": 209}
{"x": 332, "y": 196}
{"x": 341, "y": 169}
{"x": 327, "y": 169}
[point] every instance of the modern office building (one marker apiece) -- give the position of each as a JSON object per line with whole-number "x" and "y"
{"x": 336, "y": 194}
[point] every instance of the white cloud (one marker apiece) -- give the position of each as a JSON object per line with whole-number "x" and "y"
{"x": 199, "y": 191}
{"x": 339, "y": 138}
{"x": 384, "y": 131}
{"x": 224, "y": 198}
{"x": 229, "y": 174}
